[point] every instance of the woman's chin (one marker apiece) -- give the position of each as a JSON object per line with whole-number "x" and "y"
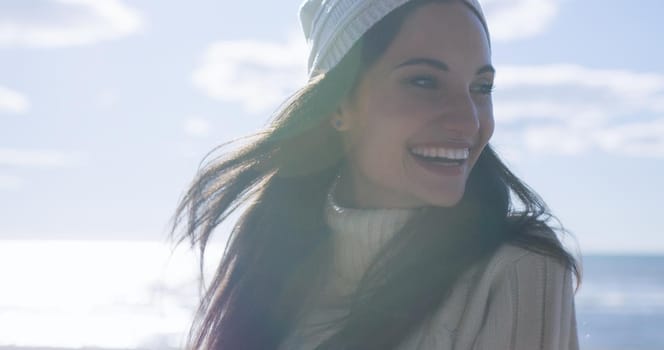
{"x": 448, "y": 199}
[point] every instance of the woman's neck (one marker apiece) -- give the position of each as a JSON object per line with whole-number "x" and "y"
{"x": 355, "y": 190}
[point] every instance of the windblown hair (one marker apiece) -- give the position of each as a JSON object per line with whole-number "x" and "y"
{"x": 278, "y": 249}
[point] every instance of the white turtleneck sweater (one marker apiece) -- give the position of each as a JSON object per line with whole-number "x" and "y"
{"x": 522, "y": 300}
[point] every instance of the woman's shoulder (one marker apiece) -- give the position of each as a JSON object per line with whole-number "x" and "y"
{"x": 513, "y": 261}
{"x": 515, "y": 283}
{"x": 539, "y": 245}
{"x": 510, "y": 254}
{"x": 514, "y": 265}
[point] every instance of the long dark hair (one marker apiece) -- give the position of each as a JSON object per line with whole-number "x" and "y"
{"x": 278, "y": 248}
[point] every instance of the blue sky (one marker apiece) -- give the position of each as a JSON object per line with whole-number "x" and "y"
{"x": 107, "y": 108}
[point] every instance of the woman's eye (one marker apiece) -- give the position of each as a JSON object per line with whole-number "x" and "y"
{"x": 426, "y": 82}
{"x": 483, "y": 88}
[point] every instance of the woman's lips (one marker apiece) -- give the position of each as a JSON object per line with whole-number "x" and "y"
{"x": 446, "y": 158}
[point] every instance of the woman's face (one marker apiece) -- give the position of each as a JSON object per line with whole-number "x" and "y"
{"x": 420, "y": 115}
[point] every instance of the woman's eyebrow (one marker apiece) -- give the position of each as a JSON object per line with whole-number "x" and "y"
{"x": 440, "y": 65}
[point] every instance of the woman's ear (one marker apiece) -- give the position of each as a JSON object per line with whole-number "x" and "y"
{"x": 340, "y": 119}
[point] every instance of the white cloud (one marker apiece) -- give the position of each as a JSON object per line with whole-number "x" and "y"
{"x": 632, "y": 88}
{"x": 37, "y": 158}
{"x": 12, "y": 101}
{"x": 519, "y": 19}
{"x": 640, "y": 139}
{"x": 572, "y": 110}
{"x": 554, "y": 139}
{"x": 107, "y": 99}
{"x": 84, "y": 22}
{"x": 10, "y": 183}
{"x": 196, "y": 127}
{"x": 33, "y": 158}
{"x": 634, "y": 139}
{"x": 258, "y": 75}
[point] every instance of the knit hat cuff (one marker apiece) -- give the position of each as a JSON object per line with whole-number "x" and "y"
{"x": 327, "y": 46}
{"x": 332, "y": 27}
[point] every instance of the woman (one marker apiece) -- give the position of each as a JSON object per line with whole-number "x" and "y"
{"x": 376, "y": 214}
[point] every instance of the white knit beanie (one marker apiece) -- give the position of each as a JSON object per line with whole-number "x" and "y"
{"x": 331, "y": 27}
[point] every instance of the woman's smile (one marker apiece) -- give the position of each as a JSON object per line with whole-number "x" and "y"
{"x": 444, "y": 160}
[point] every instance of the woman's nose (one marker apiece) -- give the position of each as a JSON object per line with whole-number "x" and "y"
{"x": 458, "y": 115}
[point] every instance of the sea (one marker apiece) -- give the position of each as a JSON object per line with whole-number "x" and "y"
{"x": 620, "y": 305}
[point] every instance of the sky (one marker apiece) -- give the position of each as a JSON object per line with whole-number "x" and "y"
{"x": 107, "y": 108}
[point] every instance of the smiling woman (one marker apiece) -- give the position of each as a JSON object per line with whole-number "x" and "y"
{"x": 377, "y": 214}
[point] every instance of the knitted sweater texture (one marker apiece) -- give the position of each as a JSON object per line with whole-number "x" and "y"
{"x": 521, "y": 301}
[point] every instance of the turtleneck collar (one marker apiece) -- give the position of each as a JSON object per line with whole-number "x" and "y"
{"x": 358, "y": 234}
{"x": 357, "y": 221}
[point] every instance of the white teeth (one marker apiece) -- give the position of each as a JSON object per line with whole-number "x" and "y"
{"x": 448, "y": 153}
